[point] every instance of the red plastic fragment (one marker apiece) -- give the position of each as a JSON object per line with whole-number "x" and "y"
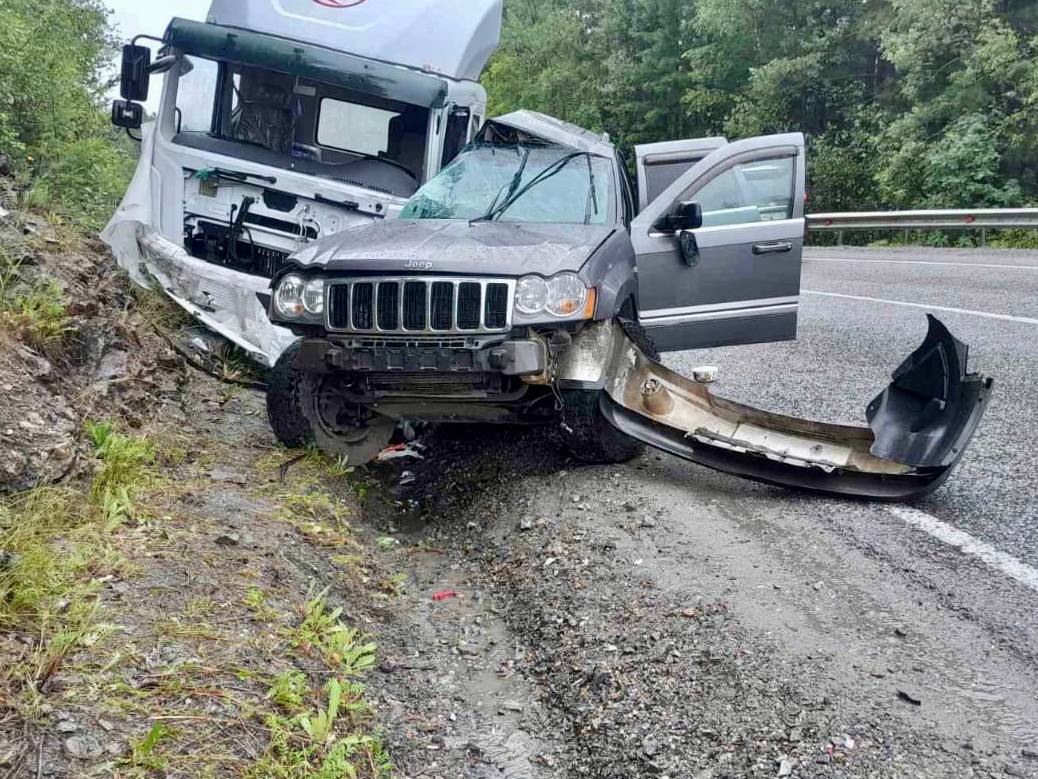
{"x": 445, "y": 594}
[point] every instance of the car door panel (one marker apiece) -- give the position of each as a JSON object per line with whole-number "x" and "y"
{"x": 743, "y": 284}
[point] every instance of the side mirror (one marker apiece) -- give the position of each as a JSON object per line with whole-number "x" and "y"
{"x": 134, "y": 73}
{"x": 128, "y": 114}
{"x": 686, "y": 215}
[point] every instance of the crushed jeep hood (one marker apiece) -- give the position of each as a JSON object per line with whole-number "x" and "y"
{"x": 455, "y": 246}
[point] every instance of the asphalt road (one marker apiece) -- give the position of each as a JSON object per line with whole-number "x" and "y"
{"x": 847, "y": 346}
{"x": 668, "y": 620}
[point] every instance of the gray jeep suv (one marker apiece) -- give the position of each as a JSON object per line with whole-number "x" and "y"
{"x": 523, "y": 283}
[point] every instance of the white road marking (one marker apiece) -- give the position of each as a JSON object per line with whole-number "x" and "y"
{"x": 986, "y": 314}
{"x": 942, "y": 531}
{"x": 922, "y": 262}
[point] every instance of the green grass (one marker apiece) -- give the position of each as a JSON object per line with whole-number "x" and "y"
{"x": 32, "y": 308}
{"x": 127, "y": 463}
{"x": 57, "y": 546}
{"x": 322, "y": 743}
{"x": 144, "y": 755}
{"x": 288, "y": 690}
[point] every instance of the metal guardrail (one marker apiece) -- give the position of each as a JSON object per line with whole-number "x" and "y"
{"x": 981, "y": 219}
{"x": 927, "y": 220}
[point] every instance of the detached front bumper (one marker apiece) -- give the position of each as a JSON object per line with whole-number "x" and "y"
{"x": 919, "y": 428}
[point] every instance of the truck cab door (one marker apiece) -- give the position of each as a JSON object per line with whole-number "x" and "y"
{"x": 659, "y": 164}
{"x": 719, "y": 250}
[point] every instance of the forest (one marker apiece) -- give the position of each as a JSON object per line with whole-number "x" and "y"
{"x": 906, "y": 103}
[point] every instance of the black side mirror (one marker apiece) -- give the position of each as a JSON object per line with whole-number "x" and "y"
{"x": 686, "y": 215}
{"x": 128, "y": 114}
{"x": 134, "y": 73}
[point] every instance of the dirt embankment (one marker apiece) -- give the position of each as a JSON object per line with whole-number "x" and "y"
{"x": 179, "y": 596}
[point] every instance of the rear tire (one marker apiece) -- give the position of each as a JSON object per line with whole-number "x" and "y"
{"x": 587, "y": 435}
{"x": 284, "y": 406}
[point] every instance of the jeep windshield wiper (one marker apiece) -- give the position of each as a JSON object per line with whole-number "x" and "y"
{"x": 512, "y": 187}
{"x": 592, "y": 194}
{"x": 544, "y": 175}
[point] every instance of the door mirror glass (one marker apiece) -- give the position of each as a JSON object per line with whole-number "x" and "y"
{"x": 128, "y": 114}
{"x": 134, "y": 73}
{"x": 686, "y": 215}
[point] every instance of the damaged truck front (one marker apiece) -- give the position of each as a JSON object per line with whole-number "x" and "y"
{"x": 282, "y": 122}
{"x": 525, "y": 283}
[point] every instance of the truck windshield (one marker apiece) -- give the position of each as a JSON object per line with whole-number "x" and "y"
{"x": 547, "y": 184}
{"x": 313, "y": 127}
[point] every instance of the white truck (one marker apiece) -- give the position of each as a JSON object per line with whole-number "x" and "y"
{"x": 282, "y": 122}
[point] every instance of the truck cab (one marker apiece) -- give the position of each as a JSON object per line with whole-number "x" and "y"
{"x": 282, "y": 122}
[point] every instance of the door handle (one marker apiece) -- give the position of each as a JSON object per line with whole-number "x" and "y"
{"x": 778, "y": 247}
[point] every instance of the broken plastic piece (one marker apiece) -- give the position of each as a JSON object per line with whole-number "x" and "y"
{"x": 924, "y": 417}
{"x": 705, "y": 374}
{"x": 445, "y": 594}
{"x": 921, "y": 425}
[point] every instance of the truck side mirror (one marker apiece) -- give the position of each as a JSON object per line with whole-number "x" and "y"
{"x": 686, "y": 215}
{"x": 134, "y": 74}
{"x": 128, "y": 114}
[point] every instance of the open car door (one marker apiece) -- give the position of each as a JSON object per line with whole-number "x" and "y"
{"x": 719, "y": 250}
{"x": 660, "y": 164}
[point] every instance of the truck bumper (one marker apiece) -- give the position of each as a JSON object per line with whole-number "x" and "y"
{"x": 919, "y": 426}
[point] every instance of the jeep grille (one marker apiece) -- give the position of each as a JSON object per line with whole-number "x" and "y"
{"x": 419, "y": 305}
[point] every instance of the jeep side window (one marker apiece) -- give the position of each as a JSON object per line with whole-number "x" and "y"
{"x": 754, "y": 191}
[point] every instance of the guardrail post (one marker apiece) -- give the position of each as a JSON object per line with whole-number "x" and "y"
{"x": 839, "y": 238}
{"x": 983, "y": 236}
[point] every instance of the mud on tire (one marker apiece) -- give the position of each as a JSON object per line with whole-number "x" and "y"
{"x": 586, "y": 434}
{"x": 284, "y": 404}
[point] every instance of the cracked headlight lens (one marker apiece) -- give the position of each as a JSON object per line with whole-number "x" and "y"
{"x": 288, "y": 297}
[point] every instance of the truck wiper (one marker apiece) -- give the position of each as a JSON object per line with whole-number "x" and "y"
{"x": 512, "y": 187}
{"x": 544, "y": 175}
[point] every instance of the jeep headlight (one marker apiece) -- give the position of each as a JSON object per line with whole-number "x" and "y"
{"x": 563, "y": 296}
{"x": 298, "y": 298}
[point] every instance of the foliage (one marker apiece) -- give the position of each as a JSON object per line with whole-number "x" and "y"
{"x": 32, "y": 307}
{"x": 54, "y": 55}
{"x": 343, "y": 648}
{"x": 125, "y": 463}
{"x": 905, "y": 103}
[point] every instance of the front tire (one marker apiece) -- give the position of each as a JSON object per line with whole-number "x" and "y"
{"x": 284, "y": 405}
{"x": 340, "y": 427}
{"x": 588, "y": 436}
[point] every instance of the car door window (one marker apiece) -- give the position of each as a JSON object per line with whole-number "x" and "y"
{"x": 753, "y": 191}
